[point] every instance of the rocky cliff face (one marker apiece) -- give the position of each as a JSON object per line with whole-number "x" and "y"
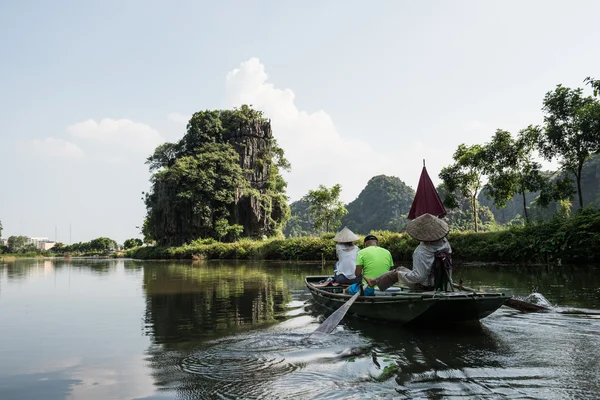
{"x": 257, "y": 211}
{"x": 252, "y": 141}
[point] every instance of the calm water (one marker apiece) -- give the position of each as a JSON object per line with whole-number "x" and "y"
{"x": 101, "y": 329}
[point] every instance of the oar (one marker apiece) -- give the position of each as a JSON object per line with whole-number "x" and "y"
{"x": 334, "y": 319}
{"x": 519, "y": 305}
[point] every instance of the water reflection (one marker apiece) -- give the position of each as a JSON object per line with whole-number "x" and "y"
{"x": 189, "y": 301}
{"x": 22, "y": 269}
{"x": 506, "y": 356}
{"x": 124, "y": 329}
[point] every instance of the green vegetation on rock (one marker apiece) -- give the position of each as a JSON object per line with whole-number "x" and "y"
{"x": 223, "y": 174}
{"x": 382, "y": 205}
{"x": 301, "y": 220}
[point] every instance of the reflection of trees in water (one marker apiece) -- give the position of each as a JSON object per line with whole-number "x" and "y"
{"x": 133, "y": 265}
{"x": 186, "y": 301}
{"x": 98, "y": 267}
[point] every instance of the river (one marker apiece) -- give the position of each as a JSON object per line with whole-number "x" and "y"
{"x": 124, "y": 329}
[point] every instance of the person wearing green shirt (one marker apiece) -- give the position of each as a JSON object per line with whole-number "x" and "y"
{"x": 371, "y": 262}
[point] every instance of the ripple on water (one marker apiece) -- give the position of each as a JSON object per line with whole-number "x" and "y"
{"x": 511, "y": 358}
{"x": 265, "y": 365}
{"x": 223, "y": 365}
{"x": 238, "y": 366}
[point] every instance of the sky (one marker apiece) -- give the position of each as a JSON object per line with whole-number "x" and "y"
{"x": 354, "y": 89}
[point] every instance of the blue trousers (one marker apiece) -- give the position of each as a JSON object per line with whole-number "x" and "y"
{"x": 353, "y": 289}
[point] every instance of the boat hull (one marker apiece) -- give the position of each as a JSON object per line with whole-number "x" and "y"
{"x": 403, "y": 306}
{"x": 462, "y": 307}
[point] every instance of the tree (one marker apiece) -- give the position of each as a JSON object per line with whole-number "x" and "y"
{"x": 17, "y": 244}
{"x": 0, "y": 229}
{"x": 224, "y": 230}
{"x": 58, "y": 248}
{"x": 465, "y": 176}
{"x": 235, "y": 231}
{"x": 512, "y": 169}
{"x": 571, "y": 130}
{"x": 102, "y": 244}
{"x": 221, "y": 228}
{"x": 131, "y": 243}
{"x": 326, "y": 207}
{"x": 460, "y": 218}
{"x": 559, "y": 189}
{"x": 595, "y": 84}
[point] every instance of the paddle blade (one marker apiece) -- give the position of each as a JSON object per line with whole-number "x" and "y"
{"x": 525, "y": 306}
{"x": 518, "y": 305}
{"x": 334, "y": 319}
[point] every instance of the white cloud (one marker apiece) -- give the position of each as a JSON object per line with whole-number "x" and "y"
{"x": 317, "y": 151}
{"x": 179, "y": 118}
{"x": 120, "y": 134}
{"x": 57, "y": 148}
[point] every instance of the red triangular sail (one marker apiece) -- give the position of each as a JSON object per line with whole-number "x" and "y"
{"x": 427, "y": 200}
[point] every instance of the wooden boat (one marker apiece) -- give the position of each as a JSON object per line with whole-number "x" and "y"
{"x": 404, "y": 306}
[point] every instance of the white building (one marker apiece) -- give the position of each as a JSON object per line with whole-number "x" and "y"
{"x": 36, "y": 240}
{"x": 42, "y": 243}
{"x": 46, "y": 245}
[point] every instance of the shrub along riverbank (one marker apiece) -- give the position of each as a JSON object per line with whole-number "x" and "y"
{"x": 31, "y": 254}
{"x": 574, "y": 240}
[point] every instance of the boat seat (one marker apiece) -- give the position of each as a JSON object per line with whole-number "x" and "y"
{"x": 391, "y": 291}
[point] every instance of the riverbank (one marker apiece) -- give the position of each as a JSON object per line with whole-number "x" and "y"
{"x": 12, "y": 256}
{"x": 49, "y": 255}
{"x": 570, "y": 241}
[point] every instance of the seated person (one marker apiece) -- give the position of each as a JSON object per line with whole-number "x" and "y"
{"x": 371, "y": 262}
{"x": 346, "y": 253}
{"x": 431, "y": 232}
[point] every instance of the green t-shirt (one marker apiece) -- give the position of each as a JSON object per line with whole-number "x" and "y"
{"x": 375, "y": 261}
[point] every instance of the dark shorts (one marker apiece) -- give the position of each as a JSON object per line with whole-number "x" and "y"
{"x": 341, "y": 278}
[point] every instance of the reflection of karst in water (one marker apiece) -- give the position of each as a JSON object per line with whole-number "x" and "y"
{"x": 185, "y": 301}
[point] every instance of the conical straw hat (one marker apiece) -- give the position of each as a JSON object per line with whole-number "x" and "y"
{"x": 427, "y": 228}
{"x": 345, "y": 236}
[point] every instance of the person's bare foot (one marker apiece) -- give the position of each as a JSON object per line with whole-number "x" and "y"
{"x": 371, "y": 281}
